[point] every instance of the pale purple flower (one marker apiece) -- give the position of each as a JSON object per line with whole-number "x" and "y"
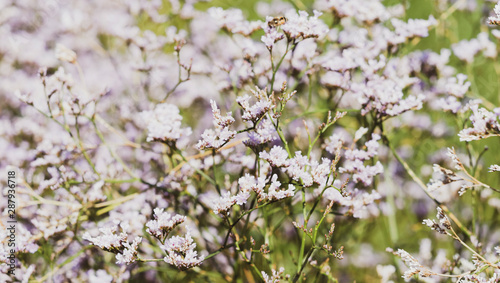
{"x": 233, "y": 21}
{"x": 336, "y": 79}
{"x": 413, "y": 28}
{"x": 223, "y": 204}
{"x": 455, "y": 86}
{"x": 108, "y": 240}
{"x": 180, "y": 252}
{"x": 495, "y": 20}
{"x": 412, "y": 263}
{"x": 129, "y": 253}
{"x": 334, "y": 143}
{"x": 302, "y": 26}
{"x": 271, "y": 36}
{"x": 277, "y": 156}
{"x": 164, "y": 124}
{"x": 297, "y": 169}
{"x": 249, "y": 183}
{"x": 65, "y": 54}
{"x": 466, "y": 49}
{"x": 275, "y": 193}
{"x": 215, "y": 139}
{"x": 276, "y": 275}
{"x": 385, "y": 97}
{"x": 163, "y": 223}
{"x": 265, "y": 132}
{"x": 320, "y": 171}
{"x": 256, "y": 111}
{"x": 368, "y": 11}
{"x": 484, "y": 124}
{"x": 99, "y": 276}
{"x": 494, "y": 168}
{"x": 219, "y": 120}
{"x": 488, "y": 47}
{"x": 118, "y": 244}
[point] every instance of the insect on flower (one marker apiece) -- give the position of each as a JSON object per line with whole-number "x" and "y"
{"x": 277, "y": 21}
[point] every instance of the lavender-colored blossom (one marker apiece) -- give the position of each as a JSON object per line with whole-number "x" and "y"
{"x": 215, "y": 139}
{"x": 364, "y": 11}
{"x": 255, "y": 112}
{"x": 277, "y": 156}
{"x": 466, "y": 49}
{"x": 164, "y": 124}
{"x": 233, "y": 21}
{"x": 413, "y": 28}
{"x": 265, "y": 132}
{"x": 271, "y": 36}
{"x": 302, "y": 26}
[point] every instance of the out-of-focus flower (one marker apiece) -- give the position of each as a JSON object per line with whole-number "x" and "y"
{"x": 364, "y": 11}
{"x": 301, "y": 26}
{"x": 65, "y": 54}
{"x": 164, "y": 124}
{"x": 233, "y": 21}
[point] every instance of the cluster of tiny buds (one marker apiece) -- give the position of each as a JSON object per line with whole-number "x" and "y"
{"x": 443, "y": 225}
{"x": 264, "y": 249}
{"x": 302, "y": 228}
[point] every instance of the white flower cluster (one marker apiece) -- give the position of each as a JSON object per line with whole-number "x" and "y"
{"x": 277, "y": 156}
{"x": 385, "y": 96}
{"x": 443, "y": 225}
{"x": 413, "y": 28}
{"x": 118, "y": 244}
{"x": 414, "y": 266}
{"x": 264, "y": 132}
{"x": 215, "y": 139}
{"x": 255, "y": 112}
{"x": 465, "y": 50}
{"x": 301, "y": 26}
{"x": 275, "y": 278}
{"x": 495, "y": 20}
{"x": 484, "y": 124}
{"x": 368, "y": 11}
{"x": 494, "y": 168}
{"x": 180, "y": 252}
{"x": 233, "y": 20}
{"x": 163, "y": 223}
{"x": 164, "y": 124}
{"x": 247, "y": 184}
{"x": 271, "y": 35}
{"x": 359, "y": 203}
{"x": 355, "y": 162}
